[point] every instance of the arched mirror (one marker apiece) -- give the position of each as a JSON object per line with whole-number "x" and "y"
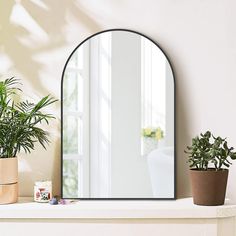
{"x": 118, "y": 119}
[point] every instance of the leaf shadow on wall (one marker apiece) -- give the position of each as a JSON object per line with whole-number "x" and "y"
{"x": 28, "y": 29}
{"x": 50, "y": 19}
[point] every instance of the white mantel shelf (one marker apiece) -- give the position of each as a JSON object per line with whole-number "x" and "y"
{"x": 174, "y": 209}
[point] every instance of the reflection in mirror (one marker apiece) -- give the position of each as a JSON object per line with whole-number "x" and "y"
{"x": 118, "y": 119}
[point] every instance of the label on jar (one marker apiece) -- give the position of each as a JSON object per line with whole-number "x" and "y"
{"x": 42, "y": 194}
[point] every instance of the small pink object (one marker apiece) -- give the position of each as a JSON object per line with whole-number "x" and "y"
{"x": 63, "y": 202}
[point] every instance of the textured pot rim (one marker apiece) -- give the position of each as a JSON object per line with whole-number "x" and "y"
{"x": 210, "y": 170}
{"x": 8, "y": 158}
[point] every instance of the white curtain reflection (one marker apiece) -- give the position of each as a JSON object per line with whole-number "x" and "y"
{"x": 100, "y": 102}
{"x": 153, "y": 84}
{"x": 153, "y": 87}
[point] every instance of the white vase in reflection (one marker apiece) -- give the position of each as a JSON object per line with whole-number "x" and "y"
{"x": 161, "y": 171}
{"x": 149, "y": 144}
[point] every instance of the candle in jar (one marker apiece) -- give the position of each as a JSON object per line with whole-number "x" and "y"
{"x": 42, "y": 191}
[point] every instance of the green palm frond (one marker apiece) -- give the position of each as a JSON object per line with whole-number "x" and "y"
{"x": 19, "y": 122}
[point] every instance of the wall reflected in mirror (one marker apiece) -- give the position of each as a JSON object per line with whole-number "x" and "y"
{"x": 118, "y": 119}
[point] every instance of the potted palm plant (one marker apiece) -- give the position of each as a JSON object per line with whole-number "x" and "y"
{"x": 209, "y": 160}
{"x": 19, "y": 130}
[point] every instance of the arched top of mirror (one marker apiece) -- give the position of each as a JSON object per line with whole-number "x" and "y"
{"x": 122, "y": 31}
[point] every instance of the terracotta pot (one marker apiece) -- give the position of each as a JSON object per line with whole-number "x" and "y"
{"x": 8, "y": 180}
{"x": 209, "y": 187}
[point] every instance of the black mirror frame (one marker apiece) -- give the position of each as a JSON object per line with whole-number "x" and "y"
{"x": 171, "y": 66}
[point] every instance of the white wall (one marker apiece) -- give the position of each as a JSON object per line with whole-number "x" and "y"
{"x": 198, "y": 36}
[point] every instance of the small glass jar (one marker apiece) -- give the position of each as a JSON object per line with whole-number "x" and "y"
{"x": 42, "y": 191}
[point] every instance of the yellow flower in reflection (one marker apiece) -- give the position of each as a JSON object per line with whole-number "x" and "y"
{"x": 159, "y": 134}
{"x": 151, "y": 132}
{"x": 147, "y": 132}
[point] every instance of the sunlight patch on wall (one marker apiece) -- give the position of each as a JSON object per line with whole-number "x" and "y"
{"x": 5, "y": 64}
{"x": 41, "y": 4}
{"x": 23, "y": 165}
{"x": 22, "y": 18}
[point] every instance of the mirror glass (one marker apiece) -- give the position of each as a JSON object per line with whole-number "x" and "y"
{"x": 118, "y": 119}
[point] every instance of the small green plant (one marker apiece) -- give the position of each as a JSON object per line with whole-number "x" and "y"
{"x": 19, "y": 121}
{"x": 208, "y": 151}
{"x": 155, "y": 133}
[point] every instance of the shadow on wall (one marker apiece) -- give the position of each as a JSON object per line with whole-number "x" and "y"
{"x": 182, "y": 138}
{"x": 34, "y": 167}
{"x": 28, "y": 29}
{"x": 50, "y": 18}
